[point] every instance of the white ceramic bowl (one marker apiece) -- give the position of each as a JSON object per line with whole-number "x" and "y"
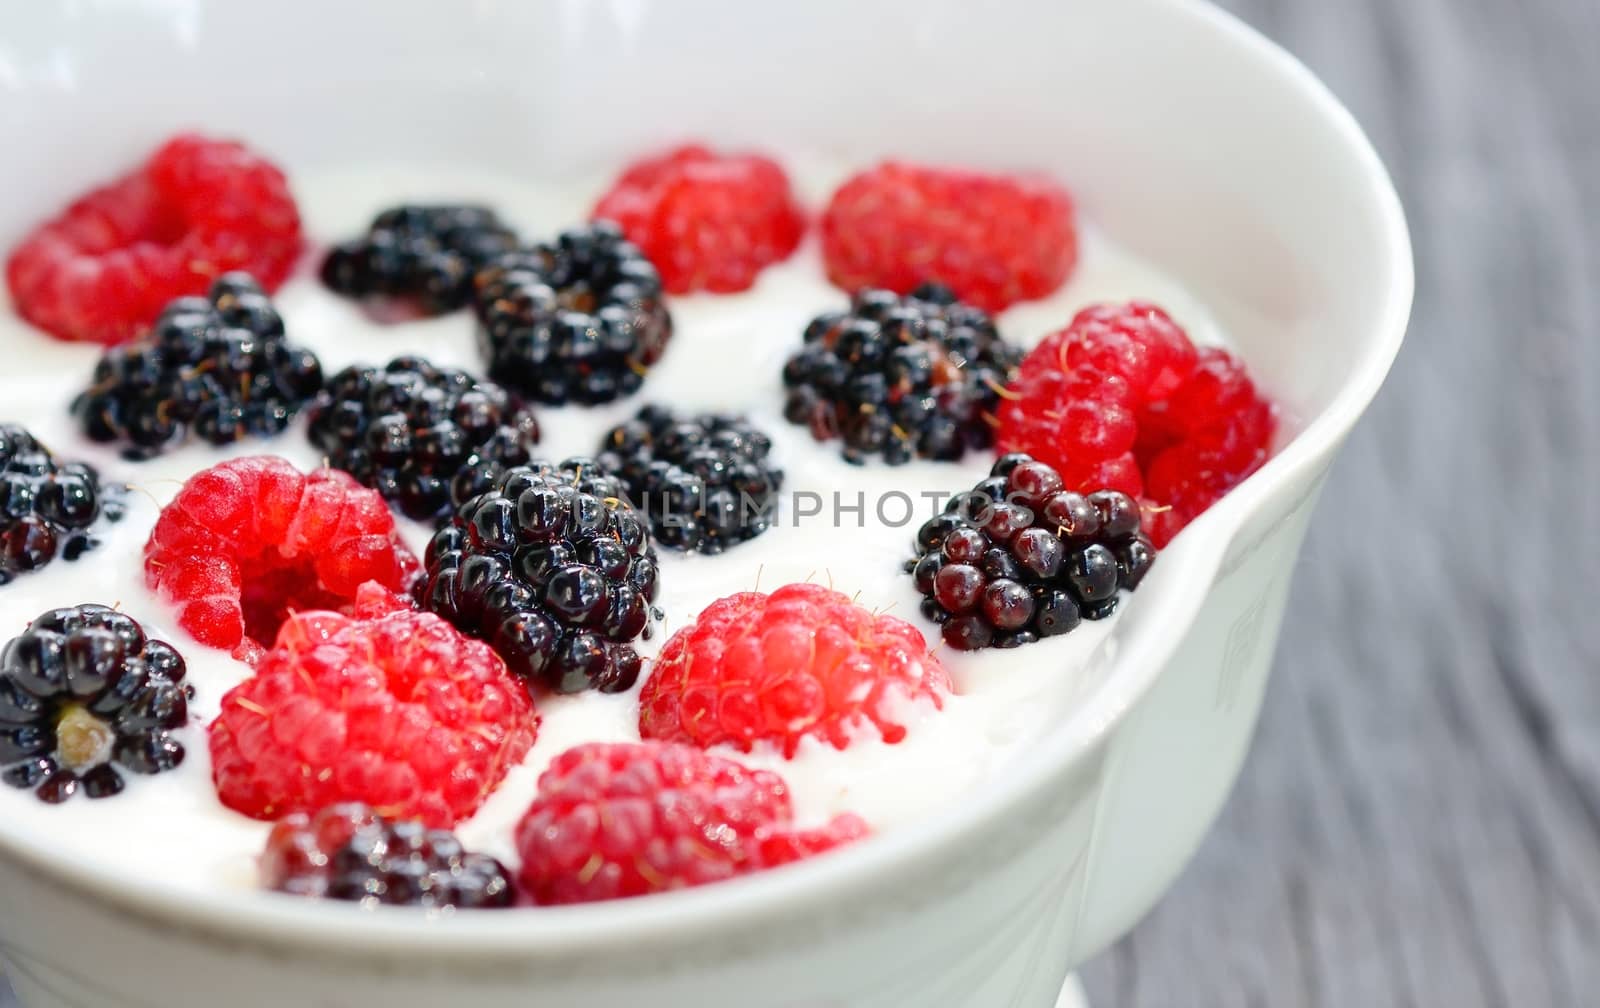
{"x": 1185, "y": 136}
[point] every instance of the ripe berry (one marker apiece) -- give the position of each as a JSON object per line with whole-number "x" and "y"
{"x": 553, "y": 567}
{"x": 409, "y": 429}
{"x": 992, "y": 239}
{"x": 704, "y": 483}
{"x": 251, "y": 540}
{"x": 1020, "y": 558}
{"x": 103, "y": 269}
{"x": 708, "y": 221}
{"x": 398, "y": 711}
{"x": 776, "y": 668}
{"x": 618, "y": 820}
{"x": 83, "y": 695}
{"x": 47, "y": 508}
{"x": 217, "y": 368}
{"x": 350, "y": 852}
{"x": 581, "y": 319}
{"x": 900, "y": 377}
{"x": 420, "y": 255}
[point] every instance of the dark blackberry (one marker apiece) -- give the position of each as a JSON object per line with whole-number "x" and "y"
{"x": 422, "y": 256}
{"x": 83, "y": 693}
{"x": 1020, "y": 557}
{"x": 47, "y": 509}
{"x": 900, "y": 377}
{"x": 581, "y": 319}
{"x": 703, "y": 483}
{"x": 217, "y": 368}
{"x": 410, "y": 428}
{"x": 350, "y": 852}
{"x": 553, "y": 567}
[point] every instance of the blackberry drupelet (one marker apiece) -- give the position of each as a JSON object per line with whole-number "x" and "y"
{"x": 47, "y": 509}
{"x": 900, "y": 377}
{"x": 83, "y": 693}
{"x": 1020, "y": 557}
{"x": 553, "y": 567}
{"x": 350, "y": 852}
{"x": 421, "y": 255}
{"x": 218, "y": 368}
{"x": 581, "y": 319}
{"x": 703, "y": 483}
{"x": 409, "y": 428}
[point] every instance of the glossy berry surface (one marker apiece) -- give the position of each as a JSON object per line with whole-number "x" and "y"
{"x": 420, "y": 255}
{"x": 84, "y": 697}
{"x": 1023, "y": 556}
{"x": 1122, "y": 399}
{"x": 708, "y": 221}
{"x": 580, "y": 319}
{"x": 703, "y": 482}
{"x": 619, "y": 820}
{"x": 409, "y": 429}
{"x": 217, "y": 369}
{"x": 900, "y": 378}
{"x": 251, "y": 540}
{"x": 993, "y": 239}
{"x": 554, "y": 568}
{"x": 774, "y": 669}
{"x": 350, "y": 852}
{"x": 198, "y": 208}
{"x": 398, "y": 711}
{"x": 48, "y": 509}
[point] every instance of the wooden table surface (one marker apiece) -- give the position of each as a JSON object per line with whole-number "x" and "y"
{"x": 1419, "y": 822}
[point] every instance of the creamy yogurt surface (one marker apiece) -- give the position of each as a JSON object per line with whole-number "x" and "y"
{"x": 847, "y": 526}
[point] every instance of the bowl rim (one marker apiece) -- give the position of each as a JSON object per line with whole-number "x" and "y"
{"x": 540, "y": 933}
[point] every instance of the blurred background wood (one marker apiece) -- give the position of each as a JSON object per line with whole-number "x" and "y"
{"x": 1419, "y": 823}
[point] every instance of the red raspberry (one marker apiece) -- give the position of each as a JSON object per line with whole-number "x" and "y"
{"x": 249, "y": 541}
{"x": 707, "y": 221}
{"x": 992, "y": 239}
{"x": 804, "y": 660}
{"x": 614, "y": 820}
{"x": 401, "y": 712}
{"x": 103, "y": 269}
{"x": 1121, "y": 398}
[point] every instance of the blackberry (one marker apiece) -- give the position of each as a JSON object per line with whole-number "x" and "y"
{"x": 900, "y": 377}
{"x": 47, "y": 509}
{"x": 1021, "y": 557}
{"x": 581, "y": 319}
{"x": 703, "y": 483}
{"x": 217, "y": 368}
{"x": 553, "y": 567}
{"x": 421, "y": 255}
{"x": 408, "y": 429}
{"x": 83, "y": 693}
{"x": 350, "y": 852}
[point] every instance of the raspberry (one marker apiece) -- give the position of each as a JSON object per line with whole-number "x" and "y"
{"x": 707, "y": 221}
{"x": 82, "y": 693}
{"x": 400, "y": 712}
{"x": 1121, "y": 399}
{"x": 704, "y": 483}
{"x": 615, "y": 820}
{"x": 804, "y": 660}
{"x": 198, "y": 208}
{"x": 218, "y": 368}
{"x": 47, "y": 508}
{"x": 423, "y": 257}
{"x": 900, "y": 377}
{"x": 580, "y": 319}
{"x": 250, "y": 540}
{"x": 1022, "y": 557}
{"x": 993, "y": 239}
{"x": 349, "y": 852}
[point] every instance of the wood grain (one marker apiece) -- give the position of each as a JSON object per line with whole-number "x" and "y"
{"x": 1419, "y": 823}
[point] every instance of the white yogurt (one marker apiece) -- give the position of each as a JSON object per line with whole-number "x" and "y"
{"x": 726, "y": 353}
